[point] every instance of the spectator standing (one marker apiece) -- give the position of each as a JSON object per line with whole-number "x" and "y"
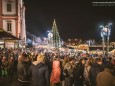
{"x": 94, "y": 70}
{"x": 56, "y": 73}
{"x": 39, "y": 72}
{"x": 22, "y": 69}
{"x": 68, "y": 72}
{"x": 106, "y": 78}
{"x": 78, "y": 73}
{"x": 4, "y": 67}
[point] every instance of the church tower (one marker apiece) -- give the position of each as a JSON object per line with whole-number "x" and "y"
{"x": 12, "y": 18}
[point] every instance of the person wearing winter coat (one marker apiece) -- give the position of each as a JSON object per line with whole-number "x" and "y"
{"x": 22, "y": 70}
{"x": 56, "y": 73}
{"x": 106, "y": 78}
{"x": 68, "y": 72}
{"x": 96, "y": 68}
{"x": 78, "y": 73}
{"x": 39, "y": 72}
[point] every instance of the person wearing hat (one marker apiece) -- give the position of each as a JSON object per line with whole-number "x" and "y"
{"x": 39, "y": 72}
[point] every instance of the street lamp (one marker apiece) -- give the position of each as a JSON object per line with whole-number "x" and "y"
{"x": 108, "y": 35}
{"x": 105, "y": 34}
{"x": 103, "y": 39}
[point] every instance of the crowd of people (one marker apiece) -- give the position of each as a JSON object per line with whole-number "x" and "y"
{"x": 41, "y": 67}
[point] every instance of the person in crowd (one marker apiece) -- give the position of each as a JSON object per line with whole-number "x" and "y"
{"x": 113, "y": 61}
{"x": 68, "y": 72}
{"x": 4, "y": 67}
{"x": 22, "y": 70}
{"x": 106, "y": 78}
{"x": 63, "y": 63}
{"x": 11, "y": 66}
{"x": 79, "y": 72}
{"x": 0, "y": 66}
{"x": 39, "y": 72}
{"x": 56, "y": 72}
{"x": 48, "y": 62}
{"x": 86, "y": 72}
{"x": 96, "y": 67}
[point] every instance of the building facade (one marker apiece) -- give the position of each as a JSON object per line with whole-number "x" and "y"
{"x": 12, "y": 18}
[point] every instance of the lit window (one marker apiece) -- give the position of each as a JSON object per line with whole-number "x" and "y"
{"x": 9, "y": 7}
{"x": 9, "y": 26}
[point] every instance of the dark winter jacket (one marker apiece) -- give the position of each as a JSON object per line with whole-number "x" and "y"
{"x": 39, "y": 74}
{"x": 78, "y": 74}
{"x": 94, "y": 70}
{"x": 22, "y": 69}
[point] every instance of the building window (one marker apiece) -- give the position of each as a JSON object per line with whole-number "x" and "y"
{"x": 9, "y": 26}
{"x": 9, "y": 7}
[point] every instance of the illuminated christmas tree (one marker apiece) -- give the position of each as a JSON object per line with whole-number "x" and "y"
{"x": 56, "y": 37}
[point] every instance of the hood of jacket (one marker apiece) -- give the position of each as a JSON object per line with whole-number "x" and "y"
{"x": 37, "y": 64}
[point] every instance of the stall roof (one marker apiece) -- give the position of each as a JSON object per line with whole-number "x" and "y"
{"x": 7, "y": 36}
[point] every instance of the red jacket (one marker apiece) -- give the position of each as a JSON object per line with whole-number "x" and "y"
{"x": 56, "y": 72}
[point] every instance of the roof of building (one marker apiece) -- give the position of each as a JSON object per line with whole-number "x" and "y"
{"x": 7, "y": 36}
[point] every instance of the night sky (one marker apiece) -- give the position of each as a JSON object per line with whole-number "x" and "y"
{"x": 75, "y": 19}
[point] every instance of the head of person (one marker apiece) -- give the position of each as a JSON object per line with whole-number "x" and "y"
{"x": 4, "y": 59}
{"x": 84, "y": 60}
{"x": 40, "y": 58}
{"x": 71, "y": 60}
{"x": 109, "y": 65}
{"x": 22, "y": 57}
{"x": 99, "y": 61}
{"x": 11, "y": 59}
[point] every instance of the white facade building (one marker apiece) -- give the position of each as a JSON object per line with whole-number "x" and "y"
{"x": 12, "y": 18}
